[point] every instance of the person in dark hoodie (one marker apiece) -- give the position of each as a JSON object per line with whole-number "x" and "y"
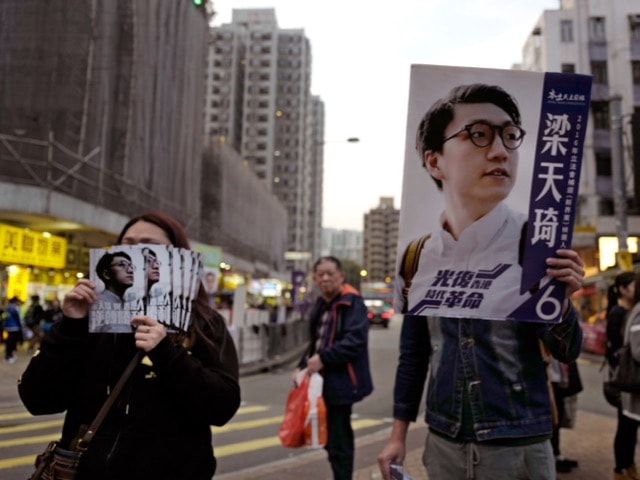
{"x": 338, "y": 350}
{"x": 160, "y": 426}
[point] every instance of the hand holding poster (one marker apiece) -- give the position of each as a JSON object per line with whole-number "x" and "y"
{"x": 502, "y": 152}
{"x": 143, "y": 279}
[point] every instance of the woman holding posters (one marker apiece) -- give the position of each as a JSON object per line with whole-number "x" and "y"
{"x": 488, "y": 405}
{"x": 160, "y": 427}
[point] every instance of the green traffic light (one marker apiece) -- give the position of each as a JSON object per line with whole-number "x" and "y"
{"x": 197, "y": 3}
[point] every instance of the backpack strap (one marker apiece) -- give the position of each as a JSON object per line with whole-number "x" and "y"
{"x": 409, "y": 265}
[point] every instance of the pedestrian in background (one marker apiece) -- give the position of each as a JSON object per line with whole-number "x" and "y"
{"x": 160, "y": 427}
{"x": 52, "y": 314}
{"x": 12, "y": 325}
{"x": 566, "y": 382}
{"x": 622, "y": 297}
{"x": 32, "y": 319}
{"x": 338, "y": 350}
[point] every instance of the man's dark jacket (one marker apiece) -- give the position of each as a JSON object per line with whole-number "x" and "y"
{"x": 343, "y": 347}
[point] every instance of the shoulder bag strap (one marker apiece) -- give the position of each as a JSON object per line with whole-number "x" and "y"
{"x": 84, "y": 438}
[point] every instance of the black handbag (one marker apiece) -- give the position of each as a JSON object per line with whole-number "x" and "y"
{"x": 626, "y": 375}
{"x": 611, "y": 394}
{"x": 57, "y": 463}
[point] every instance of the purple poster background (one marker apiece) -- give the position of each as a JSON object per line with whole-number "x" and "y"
{"x": 554, "y": 191}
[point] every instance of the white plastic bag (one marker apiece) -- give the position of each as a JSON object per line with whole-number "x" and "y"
{"x": 316, "y": 420}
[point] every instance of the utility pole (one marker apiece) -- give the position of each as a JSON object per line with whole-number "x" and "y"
{"x": 618, "y": 177}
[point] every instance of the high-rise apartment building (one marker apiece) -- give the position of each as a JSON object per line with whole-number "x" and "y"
{"x": 342, "y": 244}
{"x": 381, "y": 241}
{"x": 259, "y": 102}
{"x": 601, "y": 39}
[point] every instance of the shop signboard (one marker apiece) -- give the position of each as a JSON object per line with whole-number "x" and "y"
{"x": 27, "y": 247}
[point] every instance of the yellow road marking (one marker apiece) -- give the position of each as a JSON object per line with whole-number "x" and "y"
{"x": 247, "y": 446}
{"x": 220, "y": 451}
{"x": 234, "y": 426}
{"x": 15, "y": 416}
{"x": 251, "y": 409}
{"x": 260, "y": 443}
{"x": 30, "y": 426}
{"x": 18, "y": 461}
{"x": 43, "y": 439}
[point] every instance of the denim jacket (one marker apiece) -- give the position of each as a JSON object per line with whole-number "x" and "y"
{"x": 499, "y": 362}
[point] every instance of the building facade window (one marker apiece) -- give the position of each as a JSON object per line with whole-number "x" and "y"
{"x": 599, "y": 72}
{"x": 566, "y": 31}
{"x": 568, "y": 68}
{"x": 634, "y": 27}
{"x": 603, "y": 164}
{"x": 600, "y": 115}
{"x": 635, "y": 72}
{"x": 597, "y": 29}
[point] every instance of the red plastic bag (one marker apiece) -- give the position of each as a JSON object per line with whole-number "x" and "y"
{"x": 291, "y": 431}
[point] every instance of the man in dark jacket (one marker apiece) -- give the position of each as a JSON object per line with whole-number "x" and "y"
{"x": 338, "y": 350}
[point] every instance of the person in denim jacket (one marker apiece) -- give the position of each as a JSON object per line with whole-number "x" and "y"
{"x": 488, "y": 408}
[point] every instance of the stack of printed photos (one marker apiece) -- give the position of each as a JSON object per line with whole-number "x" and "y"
{"x": 160, "y": 281}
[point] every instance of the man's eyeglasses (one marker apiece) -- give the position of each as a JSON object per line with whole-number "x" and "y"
{"x": 124, "y": 264}
{"x": 482, "y": 134}
{"x": 151, "y": 260}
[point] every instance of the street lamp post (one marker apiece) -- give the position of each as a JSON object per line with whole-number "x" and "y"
{"x": 619, "y": 188}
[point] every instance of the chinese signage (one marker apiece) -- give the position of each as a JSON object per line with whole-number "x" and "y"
{"x": 18, "y": 282}
{"x": 554, "y": 189}
{"x": 27, "y": 247}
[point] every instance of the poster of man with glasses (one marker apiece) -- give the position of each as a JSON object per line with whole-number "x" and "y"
{"x": 491, "y": 176}
{"x": 120, "y": 277}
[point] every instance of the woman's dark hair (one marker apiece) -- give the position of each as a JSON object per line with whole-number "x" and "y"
{"x": 202, "y": 312}
{"x": 430, "y": 133}
{"x": 613, "y": 292}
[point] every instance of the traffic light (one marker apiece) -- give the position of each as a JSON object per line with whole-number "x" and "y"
{"x": 198, "y": 3}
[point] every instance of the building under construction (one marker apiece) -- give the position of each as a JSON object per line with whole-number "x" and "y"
{"x": 101, "y": 117}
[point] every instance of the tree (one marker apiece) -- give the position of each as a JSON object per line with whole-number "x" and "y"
{"x": 351, "y": 272}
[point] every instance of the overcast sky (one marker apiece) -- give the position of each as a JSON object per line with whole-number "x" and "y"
{"x": 362, "y": 52}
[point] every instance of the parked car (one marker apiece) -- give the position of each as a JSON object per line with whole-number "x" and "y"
{"x": 379, "y": 312}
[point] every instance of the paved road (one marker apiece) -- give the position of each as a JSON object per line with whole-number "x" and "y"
{"x": 245, "y": 441}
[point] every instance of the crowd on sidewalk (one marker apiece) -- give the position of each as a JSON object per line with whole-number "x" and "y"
{"x": 28, "y": 328}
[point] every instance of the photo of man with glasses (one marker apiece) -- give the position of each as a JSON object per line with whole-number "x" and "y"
{"x": 116, "y": 271}
{"x": 158, "y": 286}
{"x": 468, "y": 144}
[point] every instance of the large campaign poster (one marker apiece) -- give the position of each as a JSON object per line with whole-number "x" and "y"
{"x": 490, "y": 184}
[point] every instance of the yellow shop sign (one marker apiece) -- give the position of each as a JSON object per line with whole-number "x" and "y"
{"x": 27, "y": 247}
